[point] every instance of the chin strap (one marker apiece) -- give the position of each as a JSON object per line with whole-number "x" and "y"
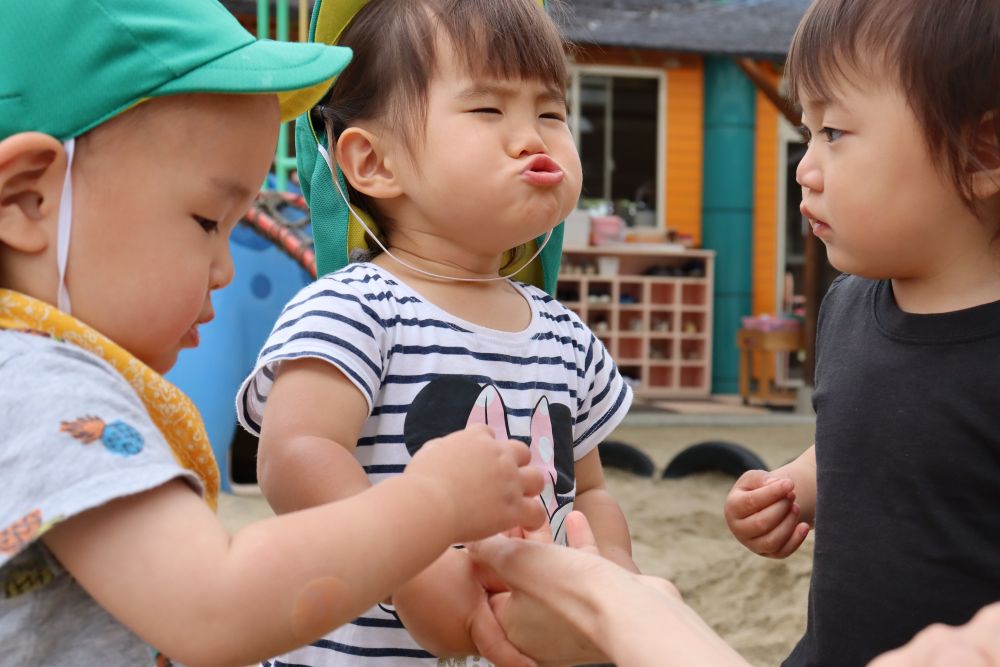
{"x": 65, "y": 227}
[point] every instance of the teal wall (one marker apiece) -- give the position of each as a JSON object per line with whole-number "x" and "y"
{"x": 727, "y": 208}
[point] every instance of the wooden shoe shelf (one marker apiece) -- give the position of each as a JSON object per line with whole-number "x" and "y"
{"x": 651, "y": 305}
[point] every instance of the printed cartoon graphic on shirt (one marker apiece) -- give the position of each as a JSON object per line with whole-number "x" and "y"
{"x": 162, "y": 660}
{"x": 21, "y": 533}
{"x": 469, "y": 661}
{"x": 25, "y": 572}
{"x": 31, "y": 576}
{"x": 450, "y": 403}
{"x": 118, "y": 437}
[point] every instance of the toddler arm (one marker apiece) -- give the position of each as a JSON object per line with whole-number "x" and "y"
{"x": 802, "y": 472}
{"x": 603, "y": 512}
{"x": 312, "y": 420}
{"x": 162, "y": 564}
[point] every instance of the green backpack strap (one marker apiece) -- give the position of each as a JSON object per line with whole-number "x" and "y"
{"x": 330, "y": 217}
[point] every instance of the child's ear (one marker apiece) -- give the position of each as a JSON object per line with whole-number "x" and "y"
{"x": 986, "y": 146}
{"x": 32, "y": 167}
{"x": 364, "y": 162}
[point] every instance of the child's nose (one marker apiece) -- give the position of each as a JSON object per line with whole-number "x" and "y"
{"x": 527, "y": 140}
{"x": 222, "y": 269}
{"x": 808, "y": 174}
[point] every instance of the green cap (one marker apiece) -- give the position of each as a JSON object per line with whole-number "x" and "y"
{"x": 335, "y": 233}
{"x": 70, "y": 65}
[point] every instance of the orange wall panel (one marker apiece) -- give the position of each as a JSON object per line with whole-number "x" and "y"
{"x": 685, "y": 148}
{"x": 765, "y": 208}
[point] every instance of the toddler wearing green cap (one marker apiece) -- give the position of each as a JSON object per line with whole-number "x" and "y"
{"x": 133, "y": 135}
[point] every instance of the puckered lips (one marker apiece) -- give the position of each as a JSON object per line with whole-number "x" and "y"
{"x": 543, "y": 171}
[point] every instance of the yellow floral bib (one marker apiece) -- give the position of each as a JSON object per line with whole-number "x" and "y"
{"x": 172, "y": 412}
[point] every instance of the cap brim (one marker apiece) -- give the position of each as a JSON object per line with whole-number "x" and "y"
{"x": 299, "y": 74}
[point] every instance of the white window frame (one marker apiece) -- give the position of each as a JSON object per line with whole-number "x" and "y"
{"x": 787, "y": 134}
{"x": 576, "y": 71}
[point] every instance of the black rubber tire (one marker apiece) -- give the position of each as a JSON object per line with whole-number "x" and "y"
{"x": 624, "y": 456}
{"x": 717, "y": 456}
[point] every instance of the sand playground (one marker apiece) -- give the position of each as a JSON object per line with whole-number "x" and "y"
{"x": 758, "y": 605}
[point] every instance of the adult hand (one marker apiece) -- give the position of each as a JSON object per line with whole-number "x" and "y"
{"x": 564, "y": 593}
{"x": 975, "y": 644}
{"x": 448, "y": 613}
{"x": 531, "y": 625}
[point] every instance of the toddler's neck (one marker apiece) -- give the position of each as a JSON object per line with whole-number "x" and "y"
{"x": 495, "y": 305}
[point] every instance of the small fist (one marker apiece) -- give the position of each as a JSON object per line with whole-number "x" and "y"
{"x": 762, "y": 514}
{"x": 489, "y": 484}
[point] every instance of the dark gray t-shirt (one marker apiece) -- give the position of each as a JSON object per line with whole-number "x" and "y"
{"x": 75, "y": 435}
{"x": 908, "y": 472}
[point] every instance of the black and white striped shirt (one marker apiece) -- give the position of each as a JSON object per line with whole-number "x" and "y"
{"x": 425, "y": 373}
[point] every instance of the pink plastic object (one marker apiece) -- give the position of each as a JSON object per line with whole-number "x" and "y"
{"x": 605, "y": 229}
{"x": 769, "y": 323}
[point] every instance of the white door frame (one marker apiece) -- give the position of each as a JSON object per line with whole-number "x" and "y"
{"x": 787, "y": 134}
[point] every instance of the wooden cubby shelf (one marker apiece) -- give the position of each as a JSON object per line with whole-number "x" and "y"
{"x": 653, "y": 312}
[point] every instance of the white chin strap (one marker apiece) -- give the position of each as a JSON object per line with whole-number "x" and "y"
{"x": 65, "y": 227}
{"x": 374, "y": 237}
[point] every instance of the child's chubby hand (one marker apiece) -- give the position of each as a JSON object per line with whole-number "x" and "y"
{"x": 488, "y": 484}
{"x": 762, "y": 514}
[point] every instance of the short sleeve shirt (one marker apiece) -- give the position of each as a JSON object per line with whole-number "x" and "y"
{"x": 75, "y": 436}
{"x": 425, "y": 373}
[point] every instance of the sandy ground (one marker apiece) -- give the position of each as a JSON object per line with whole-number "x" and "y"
{"x": 757, "y": 605}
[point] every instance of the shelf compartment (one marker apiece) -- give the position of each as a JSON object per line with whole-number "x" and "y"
{"x": 630, "y": 348}
{"x": 661, "y": 294}
{"x": 693, "y": 350}
{"x": 631, "y": 321}
{"x": 692, "y": 322}
{"x": 693, "y": 293}
{"x": 630, "y": 293}
{"x": 661, "y": 349}
{"x": 661, "y": 377}
{"x": 631, "y": 370}
{"x": 661, "y": 322}
{"x": 569, "y": 291}
{"x": 600, "y": 292}
{"x": 600, "y": 323}
{"x": 693, "y": 377}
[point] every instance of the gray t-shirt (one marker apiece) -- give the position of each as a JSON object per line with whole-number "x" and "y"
{"x": 75, "y": 435}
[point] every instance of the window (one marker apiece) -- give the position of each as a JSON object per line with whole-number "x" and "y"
{"x": 617, "y": 120}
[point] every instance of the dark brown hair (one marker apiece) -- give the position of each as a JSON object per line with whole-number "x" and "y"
{"x": 394, "y": 59}
{"x": 943, "y": 54}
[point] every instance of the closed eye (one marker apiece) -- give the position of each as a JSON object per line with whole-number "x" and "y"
{"x": 491, "y": 110}
{"x": 209, "y": 226}
{"x": 554, "y": 116}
